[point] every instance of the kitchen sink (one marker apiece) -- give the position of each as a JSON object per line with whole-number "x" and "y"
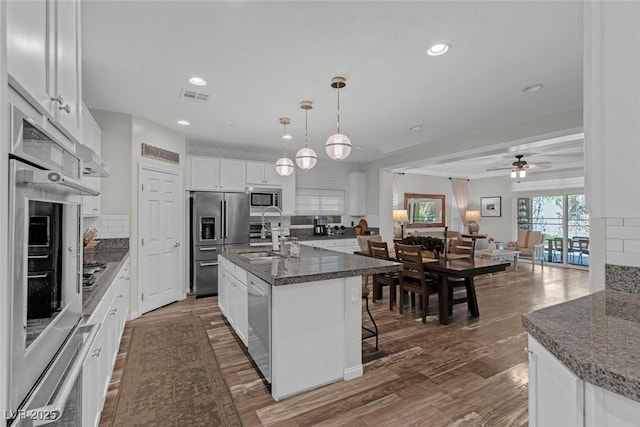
{"x": 255, "y": 256}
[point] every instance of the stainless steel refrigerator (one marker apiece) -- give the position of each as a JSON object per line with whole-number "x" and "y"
{"x": 217, "y": 219}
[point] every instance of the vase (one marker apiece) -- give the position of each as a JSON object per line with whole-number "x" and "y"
{"x": 492, "y": 246}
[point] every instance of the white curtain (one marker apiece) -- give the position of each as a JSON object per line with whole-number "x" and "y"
{"x": 461, "y": 193}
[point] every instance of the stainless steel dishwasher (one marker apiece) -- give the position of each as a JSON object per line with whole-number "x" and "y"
{"x": 259, "y": 307}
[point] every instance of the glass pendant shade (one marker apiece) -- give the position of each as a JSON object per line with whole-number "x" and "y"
{"x": 522, "y": 173}
{"x": 338, "y": 146}
{"x": 514, "y": 174}
{"x": 284, "y": 166}
{"x": 306, "y": 158}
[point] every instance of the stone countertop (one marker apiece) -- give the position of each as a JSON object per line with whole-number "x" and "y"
{"x": 314, "y": 264}
{"x": 303, "y": 238}
{"x": 596, "y": 336}
{"x": 114, "y": 259}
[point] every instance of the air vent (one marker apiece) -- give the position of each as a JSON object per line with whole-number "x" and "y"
{"x": 194, "y": 96}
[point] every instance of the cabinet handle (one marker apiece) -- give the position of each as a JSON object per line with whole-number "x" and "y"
{"x": 66, "y": 108}
{"x": 96, "y": 352}
{"x": 120, "y": 296}
{"x": 114, "y": 311}
{"x": 59, "y": 99}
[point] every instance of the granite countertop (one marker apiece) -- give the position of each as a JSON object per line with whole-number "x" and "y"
{"x": 303, "y": 238}
{"x": 114, "y": 259}
{"x": 314, "y": 264}
{"x": 596, "y": 336}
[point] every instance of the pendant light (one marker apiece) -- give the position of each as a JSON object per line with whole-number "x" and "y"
{"x": 284, "y": 165}
{"x": 306, "y": 158}
{"x": 338, "y": 146}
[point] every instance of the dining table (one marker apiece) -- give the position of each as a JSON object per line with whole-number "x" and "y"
{"x": 465, "y": 268}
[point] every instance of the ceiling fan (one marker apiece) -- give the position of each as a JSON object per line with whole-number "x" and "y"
{"x": 519, "y": 167}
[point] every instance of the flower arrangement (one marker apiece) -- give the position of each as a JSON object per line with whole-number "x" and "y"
{"x": 427, "y": 243}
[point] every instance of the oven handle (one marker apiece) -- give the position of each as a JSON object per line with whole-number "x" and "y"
{"x": 52, "y": 177}
{"x": 57, "y": 407}
{"x": 38, "y": 276}
{"x": 38, "y": 256}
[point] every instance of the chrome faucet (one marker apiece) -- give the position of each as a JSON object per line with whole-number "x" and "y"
{"x": 263, "y": 231}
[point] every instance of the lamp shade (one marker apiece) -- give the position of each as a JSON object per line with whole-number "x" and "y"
{"x": 472, "y": 216}
{"x": 284, "y": 166}
{"x": 338, "y": 146}
{"x": 400, "y": 215}
{"x": 306, "y": 158}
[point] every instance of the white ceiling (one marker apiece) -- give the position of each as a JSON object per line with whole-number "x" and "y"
{"x": 262, "y": 58}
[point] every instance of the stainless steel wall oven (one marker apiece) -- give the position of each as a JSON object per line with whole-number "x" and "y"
{"x": 47, "y": 343}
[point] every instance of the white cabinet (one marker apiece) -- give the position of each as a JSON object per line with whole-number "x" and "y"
{"x": 557, "y": 397}
{"x": 43, "y": 57}
{"x": 92, "y": 138}
{"x": 261, "y": 173}
{"x": 357, "y": 193}
{"x": 214, "y": 174}
{"x": 348, "y": 246}
{"x": 110, "y": 315}
{"x": 232, "y": 297}
{"x": 289, "y": 194}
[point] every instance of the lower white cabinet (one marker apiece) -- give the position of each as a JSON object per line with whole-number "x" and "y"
{"x": 348, "y": 246}
{"x": 232, "y": 297}
{"x": 557, "y": 397}
{"x": 110, "y": 316}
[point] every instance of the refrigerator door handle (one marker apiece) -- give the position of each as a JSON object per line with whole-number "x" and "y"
{"x": 226, "y": 220}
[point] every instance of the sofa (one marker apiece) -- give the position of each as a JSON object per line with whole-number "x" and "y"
{"x": 530, "y": 244}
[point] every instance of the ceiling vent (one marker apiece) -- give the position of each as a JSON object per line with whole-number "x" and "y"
{"x": 194, "y": 96}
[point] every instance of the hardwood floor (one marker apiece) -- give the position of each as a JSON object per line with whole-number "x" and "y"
{"x": 472, "y": 372}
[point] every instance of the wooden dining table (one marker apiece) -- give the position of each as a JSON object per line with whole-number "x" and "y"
{"x": 466, "y": 268}
{"x": 456, "y": 266}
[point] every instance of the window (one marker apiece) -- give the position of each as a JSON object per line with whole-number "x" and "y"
{"x": 564, "y": 220}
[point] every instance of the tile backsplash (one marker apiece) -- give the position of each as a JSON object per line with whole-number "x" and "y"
{"x": 111, "y": 226}
{"x": 622, "y": 270}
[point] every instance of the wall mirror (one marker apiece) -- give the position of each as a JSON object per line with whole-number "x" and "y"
{"x": 424, "y": 210}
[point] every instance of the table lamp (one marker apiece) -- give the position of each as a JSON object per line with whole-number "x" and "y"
{"x": 472, "y": 217}
{"x": 400, "y": 216}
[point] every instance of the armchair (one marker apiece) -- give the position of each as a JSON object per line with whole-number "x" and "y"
{"x": 531, "y": 245}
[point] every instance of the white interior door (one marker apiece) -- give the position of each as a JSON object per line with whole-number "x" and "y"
{"x": 160, "y": 227}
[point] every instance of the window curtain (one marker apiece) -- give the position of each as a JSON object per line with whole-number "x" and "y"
{"x": 461, "y": 194}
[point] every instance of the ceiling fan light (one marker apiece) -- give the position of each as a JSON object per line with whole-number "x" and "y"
{"x": 306, "y": 158}
{"x": 522, "y": 173}
{"x": 284, "y": 166}
{"x": 513, "y": 174}
{"x": 338, "y": 146}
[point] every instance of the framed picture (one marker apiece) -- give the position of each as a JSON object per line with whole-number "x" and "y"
{"x": 491, "y": 206}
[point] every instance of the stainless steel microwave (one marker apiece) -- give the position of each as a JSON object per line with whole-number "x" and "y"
{"x": 260, "y": 199}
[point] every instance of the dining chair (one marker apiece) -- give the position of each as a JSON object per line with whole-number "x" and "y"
{"x": 558, "y": 248}
{"x": 414, "y": 278}
{"x": 573, "y": 249}
{"x": 380, "y": 250}
{"x": 462, "y": 247}
{"x": 584, "y": 248}
{"x": 370, "y": 333}
{"x": 459, "y": 247}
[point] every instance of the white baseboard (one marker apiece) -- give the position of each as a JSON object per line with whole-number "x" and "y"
{"x": 133, "y": 315}
{"x": 353, "y": 372}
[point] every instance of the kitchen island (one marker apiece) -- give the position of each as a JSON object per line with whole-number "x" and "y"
{"x": 300, "y": 317}
{"x": 584, "y": 363}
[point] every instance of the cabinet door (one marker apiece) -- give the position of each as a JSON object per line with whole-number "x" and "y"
{"x": 204, "y": 173}
{"x": 255, "y": 173}
{"x": 242, "y": 323}
{"x": 357, "y": 193}
{"x": 28, "y": 42}
{"x": 289, "y": 194}
{"x": 223, "y": 290}
{"x": 67, "y": 65}
{"x": 94, "y": 381}
{"x": 604, "y": 408}
{"x": 271, "y": 177}
{"x": 232, "y": 175}
{"x": 556, "y": 395}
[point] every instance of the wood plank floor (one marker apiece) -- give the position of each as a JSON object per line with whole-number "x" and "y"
{"x": 472, "y": 372}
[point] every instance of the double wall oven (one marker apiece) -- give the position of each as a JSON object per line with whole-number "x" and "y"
{"x": 48, "y": 343}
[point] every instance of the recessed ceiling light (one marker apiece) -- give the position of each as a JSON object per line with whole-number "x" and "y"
{"x": 438, "y": 49}
{"x": 183, "y": 122}
{"x": 417, "y": 127}
{"x": 532, "y": 88}
{"x": 198, "y": 81}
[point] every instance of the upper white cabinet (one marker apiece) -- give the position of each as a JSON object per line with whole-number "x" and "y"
{"x": 213, "y": 174}
{"x": 43, "y": 57}
{"x": 92, "y": 136}
{"x": 260, "y": 173}
{"x": 357, "y": 193}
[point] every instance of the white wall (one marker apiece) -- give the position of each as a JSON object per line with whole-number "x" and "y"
{"x": 4, "y": 223}
{"x": 502, "y": 228}
{"x": 115, "y": 191}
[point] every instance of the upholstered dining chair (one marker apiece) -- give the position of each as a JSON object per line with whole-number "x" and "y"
{"x": 413, "y": 277}
{"x": 381, "y": 251}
